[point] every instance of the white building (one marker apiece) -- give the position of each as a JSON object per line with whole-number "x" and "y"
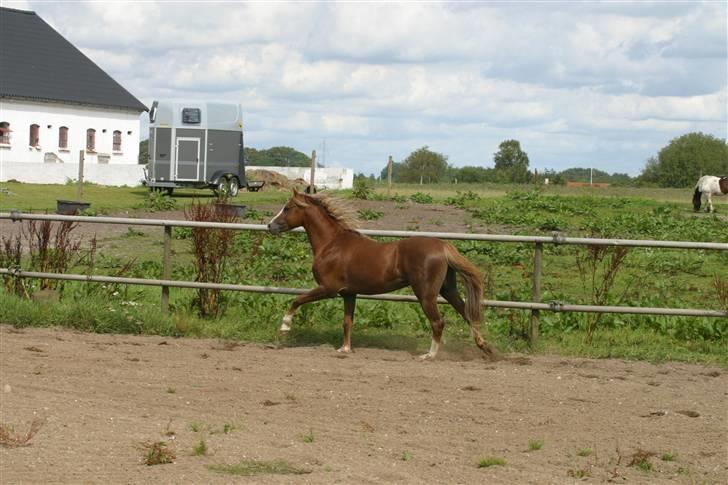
{"x": 54, "y": 103}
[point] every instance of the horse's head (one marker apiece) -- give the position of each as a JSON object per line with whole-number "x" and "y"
{"x": 290, "y": 216}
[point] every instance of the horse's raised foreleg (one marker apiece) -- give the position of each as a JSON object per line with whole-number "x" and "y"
{"x": 349, "y": 306}
{"x": 318, "y": 293}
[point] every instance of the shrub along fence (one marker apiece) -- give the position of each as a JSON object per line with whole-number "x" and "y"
{"x": 535, "y": 306}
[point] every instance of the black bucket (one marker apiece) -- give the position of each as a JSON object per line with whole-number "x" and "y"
{"x": 237, "y": 210}
{"x": 71, "y": 207}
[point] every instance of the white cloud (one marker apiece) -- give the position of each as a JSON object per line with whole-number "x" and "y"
{"x": 586, "y": 82}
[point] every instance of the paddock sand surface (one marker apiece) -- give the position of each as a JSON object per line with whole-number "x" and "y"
{"x": 375, "y": 416}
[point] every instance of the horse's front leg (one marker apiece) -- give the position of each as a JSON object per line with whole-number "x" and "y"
{"x": 318, "y": 293}
{"x": 349, "y": 306}
{"x": 709, "y": 205}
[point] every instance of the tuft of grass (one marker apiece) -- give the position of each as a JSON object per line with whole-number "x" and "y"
{"x": 489, "y": 461}
{"x": 195, "y": 426}
{"x": 200, "y": 448}
{"x": 585, "y": 452}
{"x": 369, "y": 214}
{"x": 641, "y": 460}
{"x": 157, "y": 453}
{"x": 578, "y": 473}
{"x": 10, "y": 439}
{"x": 171, "y": 390}
{"x": 406, "y": 456}
{"x": 669, "y": 456}
{"x": 535, "y": 445}
{"x": 308, "y": 437}
{"x": 247, "y": 468}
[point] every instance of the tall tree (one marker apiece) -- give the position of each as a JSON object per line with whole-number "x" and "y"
{"x": 276, "y": 157}
{"x": 424, "y": 166}
{"x": 144, "y": 151}
{"x": 512, "y": 161}
{"x": 687, "y": 157}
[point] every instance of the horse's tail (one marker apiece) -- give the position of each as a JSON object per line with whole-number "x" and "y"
{"x": 697, "y": 196}
{"x": 472, "y": 279}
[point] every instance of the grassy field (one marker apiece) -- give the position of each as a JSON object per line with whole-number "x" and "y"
{"x": 678, "y": 279}
{"x": 106, "y": 200}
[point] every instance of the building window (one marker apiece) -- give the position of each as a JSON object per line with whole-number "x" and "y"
{"x": 5, "y": 133}
{"x": 63, "y": 137}
{"x": 117, "y": 141}
{"x": 34, "y": 140}
{"x": 91, "y": 140}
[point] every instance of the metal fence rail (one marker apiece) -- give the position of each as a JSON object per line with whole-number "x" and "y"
{"x": 535, "y": 306}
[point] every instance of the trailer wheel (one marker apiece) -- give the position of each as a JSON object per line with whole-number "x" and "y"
{"x": 233, "y": 187}
{"x": 222, "y": 189}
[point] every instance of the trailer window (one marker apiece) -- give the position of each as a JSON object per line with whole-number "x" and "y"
{"x": 191, "y": 116}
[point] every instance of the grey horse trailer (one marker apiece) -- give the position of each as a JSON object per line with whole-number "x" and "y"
{"x": 196, "y": 144}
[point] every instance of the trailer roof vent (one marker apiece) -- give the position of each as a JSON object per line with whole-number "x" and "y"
{"x": 191, "y": 116}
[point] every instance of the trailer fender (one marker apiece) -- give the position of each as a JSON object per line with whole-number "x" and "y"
{"x": 219, "y": 175}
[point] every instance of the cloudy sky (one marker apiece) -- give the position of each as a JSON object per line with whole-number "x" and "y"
{"x": 601, "y": 84}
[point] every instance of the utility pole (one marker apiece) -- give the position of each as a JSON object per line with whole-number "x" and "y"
{"x": 389, "y": 175}
{"x": 313, "y": 171}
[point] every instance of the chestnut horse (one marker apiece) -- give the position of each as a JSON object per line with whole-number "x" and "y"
{"x": 347, "y": 263}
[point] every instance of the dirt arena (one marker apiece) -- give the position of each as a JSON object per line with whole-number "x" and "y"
{"x": 374, "y": 416}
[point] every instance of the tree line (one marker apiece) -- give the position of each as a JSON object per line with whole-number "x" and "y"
{"x": 678, "y": 164}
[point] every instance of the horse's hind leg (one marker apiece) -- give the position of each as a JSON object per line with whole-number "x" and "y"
{"x": 449, "y": 292}
{"x": 429, "y": 306}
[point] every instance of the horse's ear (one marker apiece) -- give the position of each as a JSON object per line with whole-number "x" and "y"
{"x": 295, "y": 191}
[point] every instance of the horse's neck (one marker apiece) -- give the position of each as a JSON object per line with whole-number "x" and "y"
{"x": 320, "y": 228}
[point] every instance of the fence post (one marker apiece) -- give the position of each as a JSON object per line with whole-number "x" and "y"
{"x": 79, "y": 185}
{"x": 535, "y": 293}
{"x": 166, "y": 267}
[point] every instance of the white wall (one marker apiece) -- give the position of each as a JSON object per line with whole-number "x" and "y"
{"x": 329, "y": 177}
{"x": 22, "y": 162}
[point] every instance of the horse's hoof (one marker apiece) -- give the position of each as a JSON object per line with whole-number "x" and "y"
{"x": 427, "y": 356}
{"x": 344, "y": 350}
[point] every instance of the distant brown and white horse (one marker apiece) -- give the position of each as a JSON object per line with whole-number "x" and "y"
{"x": 347, "y": 263}
{"x": 709, "y": 185}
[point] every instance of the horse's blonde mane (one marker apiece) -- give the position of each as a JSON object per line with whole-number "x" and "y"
{"x": 338, "y": 209}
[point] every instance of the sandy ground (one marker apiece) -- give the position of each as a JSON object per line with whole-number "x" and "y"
{"x": 374, "y": 416}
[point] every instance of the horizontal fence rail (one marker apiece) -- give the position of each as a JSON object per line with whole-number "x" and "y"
{"x": 535, "y": 306}
{"x": 551, "y": 306}
{"x": 556, "y": 238}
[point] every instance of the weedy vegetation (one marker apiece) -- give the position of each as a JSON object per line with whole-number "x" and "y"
{"x": 585, "y": 275}
{"x": 157, "y": 453}
{"x": 535, "y": 445}
{"x": 9, "y": 438}
{"x": 247, "y": 468}
{"x": 490, "y": 461}
{"x": 200, "y": 448}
